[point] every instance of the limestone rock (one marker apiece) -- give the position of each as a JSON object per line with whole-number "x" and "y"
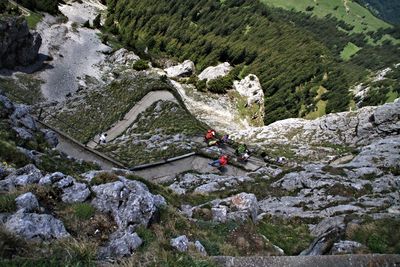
{"x": 78, "y": 192}
{"x": 182, "y": 70}
{"x": 51, "y": 178}
{"x": 212, "y": 73}
{"x": 130, "y": 202}
{"x": 219, "y": 214}
{"x": 200, "y": 248}
{"x": 346, "y": 247}
{"x": 64, "y": 182}
{"x": 181, "y": 243}
{"x": 121, "y": 244}
{"x": 28, "y": 174}
{"x": 123, "y": 56}
{"x": 18, "y": 46}
{"x": 33, "y": 226}
{"x": 250, "y": 88}
{"x": 28, "y": 202}
{"x": 50, "y": 137}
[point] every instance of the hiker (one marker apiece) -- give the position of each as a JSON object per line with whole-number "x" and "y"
{"x": 242, "y": 152}
{"x": 209, "y": 135}
{"x": 225, "y": 139}
{"x": 221, "y": 162}
{"x": 210, "y": 138}
{"x": 103, "y": 138}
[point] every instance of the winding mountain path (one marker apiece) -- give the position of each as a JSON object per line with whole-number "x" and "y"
{"x": 118, "y": 128}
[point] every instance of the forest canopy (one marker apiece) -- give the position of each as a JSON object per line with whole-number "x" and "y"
{"x": 293, "y": 54}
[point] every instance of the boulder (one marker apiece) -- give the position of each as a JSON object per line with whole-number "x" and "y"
{"x": 51, "y": 178}
{"x": 121, "y": 244}
{"x": 18, "y": 46}
{"x": 180, "y": 243}
{"x": 130, "y": 202}
{"x": 182, "y": 70}
{"x": 347, "y": 247}
{"x": 50, "y": 137}
{"x": 327, "y": 225}
{"x": 78, "y": 192}
{"x": 200, "y": 248}
{"x": 28, "y": 174}
{"x": 27, "y": 202}
{"x": 250, "y": 88}
{"x": 123, "y": 56}
{"x": 214, "y": 72}
{"x": 64, "y": 182}
{"x": 219, "y": 214}
{"x": 36, "y": 226}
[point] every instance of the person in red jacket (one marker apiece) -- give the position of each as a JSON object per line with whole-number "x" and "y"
{"x": 221, "y": 162}
{"x": 210, "y": 138}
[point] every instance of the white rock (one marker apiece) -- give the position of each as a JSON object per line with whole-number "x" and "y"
{"x": 250, "y": 88}
{"x": 185, "y": 69}
{"x": 214, "y": 72}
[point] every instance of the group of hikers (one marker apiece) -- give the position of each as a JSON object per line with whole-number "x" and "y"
{"x": 242, "y": 152}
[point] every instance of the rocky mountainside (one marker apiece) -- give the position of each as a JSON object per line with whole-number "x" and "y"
{"x": 327, "y": 186}
{"x": 18, "y": 46}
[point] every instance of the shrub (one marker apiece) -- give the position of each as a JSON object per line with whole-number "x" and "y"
{"x": 219, "y": 85}
{"x": 104, "y": 178}
{"x": 140, "y": 65}
{"x": 83, "y": 211}
{"x": 7, "y": 203}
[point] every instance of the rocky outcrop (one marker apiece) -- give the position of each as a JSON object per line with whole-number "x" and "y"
{"x": 240, "y": 207}
{"x": 123, "y": 57}
{"x": 214, "y": 72}
{"x": 206, "y": 183}
{"x": 360, "y": 127}
{"x": 21, "y": 177}
{"x": 22, "y": 122}
{"x": 18, "y": 46}
{"x": 250, "y": 88}
{"x": 36, "y": 226}
{"x": 185, "y": 69}
{"x": 27, "y": 202}
{"x": 130, "y": 202}
{"x": 120, "y": 244}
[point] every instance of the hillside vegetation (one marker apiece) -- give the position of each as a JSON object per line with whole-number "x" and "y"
{"x": 293, "y": 54}
{"x": 350, "y": 12}
{"x": 388, "y": 10}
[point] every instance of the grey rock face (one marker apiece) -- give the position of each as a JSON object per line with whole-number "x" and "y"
{"x": 17, "y": 45}
{"x": 130, "y": 202}
{"x": 36, "y": 226}
{"x": 64, "y": 182}
{"x": 182, "y": 70}
{"x": 200, "y": 248}
{"x": 180, "y": 243}
{"x": 27, "y": 202}
{"x": 51, "y": 178}
{"x": 121, "y": 244}
{"x": 28, "y": 174}
{"x": 346, "y": 247}
{"x": 78, "y": 192}
{"x": 239, "y": 207}
{"x": 51, "y": 137}
{"x": 206, "y": 183}
{"x": 123, "y": 56}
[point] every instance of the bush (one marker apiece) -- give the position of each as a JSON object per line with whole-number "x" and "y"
{"x": 104, "y": 178}
{"x": 7, "y": 203}
{"x": 219, "y": 85}
{"x": 140, "y": 65}
{"x": 83, "y": 211}
{"x": 201, "y": 85}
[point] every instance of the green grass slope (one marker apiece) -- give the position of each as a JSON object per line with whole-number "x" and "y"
{"x": 348, "y": 11}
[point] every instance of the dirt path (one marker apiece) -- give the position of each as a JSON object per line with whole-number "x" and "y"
{"x": 120, "y": 126}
